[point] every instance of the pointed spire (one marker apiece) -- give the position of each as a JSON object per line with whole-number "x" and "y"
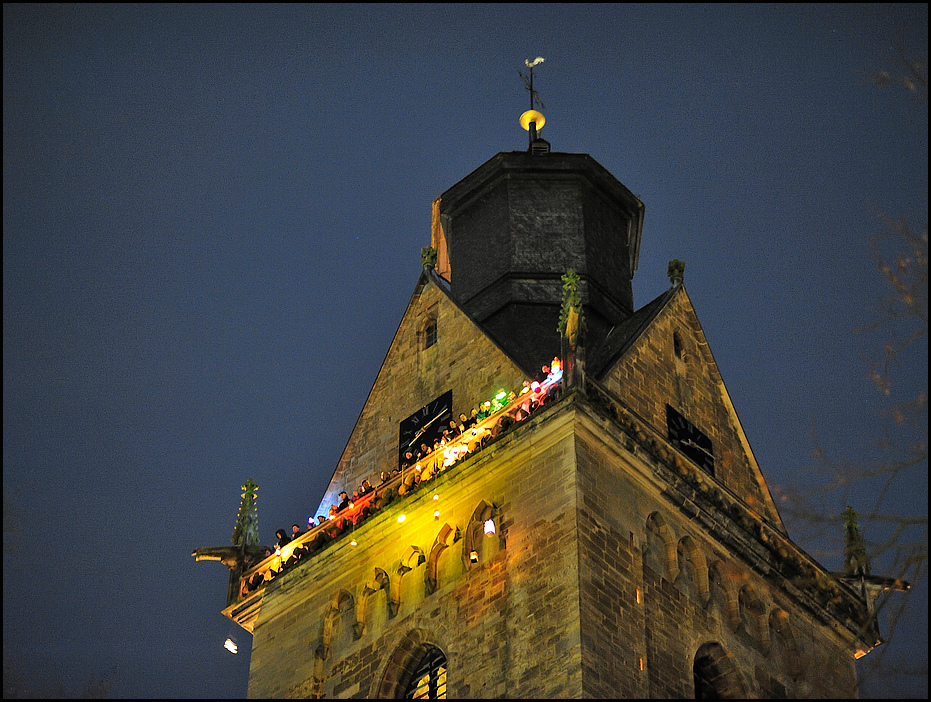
{"x": 856, "y": 562}
{"x": 676, "y": 272}
{"x": 428, "y": 257}
{"x": 246, "y": 531}
{"x": 571, "y": 320}
{"x": 571, "y": 329}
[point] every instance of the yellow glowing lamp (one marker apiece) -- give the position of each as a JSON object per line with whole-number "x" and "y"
{"x": 473, "y": 556}
{"x": 353, "y": 543}
{"x": 532, "y": 116}
{"x": 436, "y": 514}
{"x": 401, "y": 518}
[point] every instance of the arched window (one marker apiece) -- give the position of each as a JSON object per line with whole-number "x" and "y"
{"x": 415, "y": 670}
{"x": 474, "y": 550}
{"x": 429, "y": 679}
{"x": 693, "y": 574}
{"x": 753, "y": 614}
{"x": 715, "y": 675}
{"x": 660, "y": 553}
{"x": 723, "y": 593}
{"x": 785, "y": 644}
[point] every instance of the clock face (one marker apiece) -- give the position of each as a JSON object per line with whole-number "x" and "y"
{"x": 425, "y": 425}
{"x": 690, "y": 440}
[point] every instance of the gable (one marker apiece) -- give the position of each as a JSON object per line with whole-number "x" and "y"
{"x": 461, "y": 359}
{"x": 669, "y": 365}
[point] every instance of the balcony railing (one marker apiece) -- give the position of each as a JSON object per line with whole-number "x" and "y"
{"x": 404, "y": 482}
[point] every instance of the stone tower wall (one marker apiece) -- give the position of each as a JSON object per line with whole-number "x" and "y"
{"x": 656, "y": 589}
{"x": 620, "y": 569}
{"x": 508, "y": 625}
{"x": 600, "y": 582}
{"x": 517, "y": 224}
{"x": 652, "y": 375}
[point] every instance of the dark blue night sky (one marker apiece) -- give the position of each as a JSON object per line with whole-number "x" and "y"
{"x": 212, "y": 221}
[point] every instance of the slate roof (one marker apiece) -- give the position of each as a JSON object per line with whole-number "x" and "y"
{"x": 600, "y": 353}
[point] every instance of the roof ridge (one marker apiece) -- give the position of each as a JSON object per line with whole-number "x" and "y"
{"x": 627, "y": 332}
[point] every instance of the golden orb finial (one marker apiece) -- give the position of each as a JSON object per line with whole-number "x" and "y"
{"x": 531, "y": 116}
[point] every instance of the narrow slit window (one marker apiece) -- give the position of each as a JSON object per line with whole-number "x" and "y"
{"x": 429, "y": 333}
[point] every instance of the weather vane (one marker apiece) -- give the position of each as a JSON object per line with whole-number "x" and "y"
{"x": 532, "y": 120}
{"x": 528, "y": 82}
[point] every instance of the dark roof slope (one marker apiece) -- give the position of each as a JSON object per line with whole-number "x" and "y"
{"x": 601, "y": 353}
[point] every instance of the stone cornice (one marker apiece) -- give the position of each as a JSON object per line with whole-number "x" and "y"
{"x": 726, "y": 518}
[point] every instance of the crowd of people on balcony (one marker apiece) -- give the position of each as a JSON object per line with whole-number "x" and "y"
{"x": 458, "y": 440}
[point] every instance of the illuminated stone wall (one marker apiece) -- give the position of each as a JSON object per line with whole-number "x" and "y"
{"x": 602, "y": 581}
{"x": 509, "y": 625}
{"x": 462, "y": 359}
{"x": 619, "y": 569}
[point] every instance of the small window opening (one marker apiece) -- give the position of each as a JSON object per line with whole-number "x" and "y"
{"x": 677, "y": 344}
{"x": 429, "y": 333}
{"x": 429, "y": 679}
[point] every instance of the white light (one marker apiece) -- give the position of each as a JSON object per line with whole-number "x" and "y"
{"x": 401, "y": 518}
{"x": 489, "y": 527}
{"x": 230, "y": 646}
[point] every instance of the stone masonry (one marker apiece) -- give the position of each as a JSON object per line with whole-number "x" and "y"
{"x": 595, "y": 585}
{"x": 622, "y": 565}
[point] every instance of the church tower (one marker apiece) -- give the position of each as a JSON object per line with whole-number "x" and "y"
{"x": 604, "y": 533}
